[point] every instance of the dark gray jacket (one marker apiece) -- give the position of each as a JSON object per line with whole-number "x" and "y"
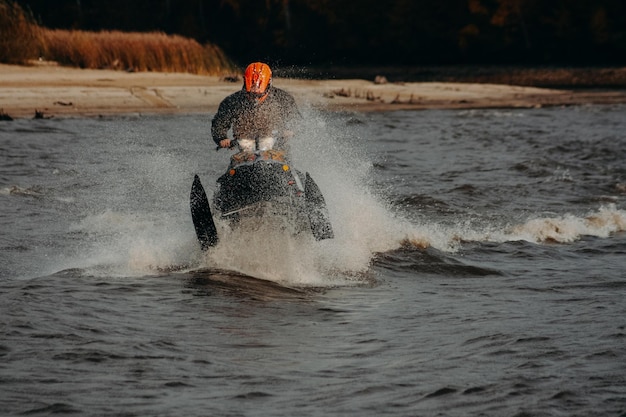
{"x": 251, "y": 120}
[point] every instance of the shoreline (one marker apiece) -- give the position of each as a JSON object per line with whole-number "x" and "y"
{"x": 55, "y": 91}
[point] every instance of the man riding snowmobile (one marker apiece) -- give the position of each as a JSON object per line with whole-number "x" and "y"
{"x": 261, "y": 116}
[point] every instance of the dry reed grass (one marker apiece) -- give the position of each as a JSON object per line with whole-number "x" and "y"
{"x": 20, "y": 37}
{"x": 134, "y": 52}
{"x": 22, "y": 40}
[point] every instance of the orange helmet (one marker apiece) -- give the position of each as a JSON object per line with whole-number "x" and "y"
{"x": 257, "y": 80}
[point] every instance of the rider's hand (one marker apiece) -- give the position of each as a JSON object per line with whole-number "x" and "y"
{"x": 225, "y": 143}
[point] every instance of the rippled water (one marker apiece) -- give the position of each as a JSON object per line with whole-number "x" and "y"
{"x": 477, "y": 270}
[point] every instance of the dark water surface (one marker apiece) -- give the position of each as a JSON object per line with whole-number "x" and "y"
{"x": 478, "y": 270}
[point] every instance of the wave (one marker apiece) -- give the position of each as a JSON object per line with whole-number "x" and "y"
{"x": 137, "y": 244}
{"x": 603, "y": 223}
{"x": 569, "y": 228}
{"x": 21, "y": 191}
{"x": 150, "y": 230}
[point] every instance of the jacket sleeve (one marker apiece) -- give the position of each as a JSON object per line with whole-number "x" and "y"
{"x": 222, "y": 120}
{"x": 291, "y": 116}
{"x": 294, "y": 113}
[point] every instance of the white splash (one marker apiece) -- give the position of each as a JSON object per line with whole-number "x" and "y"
{"x": 604, "y": 222}
{"x": 363, "y": 224}
{"x": 569, "y": 228}
{"x": 151, "y": 230}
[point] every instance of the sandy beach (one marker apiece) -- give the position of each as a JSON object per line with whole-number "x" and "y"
{"x": 56, "y": 91}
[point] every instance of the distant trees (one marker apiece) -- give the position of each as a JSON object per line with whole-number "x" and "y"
{"x": 369, "y": 31}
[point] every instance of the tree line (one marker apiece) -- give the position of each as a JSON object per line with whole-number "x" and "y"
{"x": 368, "y": 32}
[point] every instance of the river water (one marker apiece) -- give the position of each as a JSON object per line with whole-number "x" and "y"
{"x": 478, "y": 269}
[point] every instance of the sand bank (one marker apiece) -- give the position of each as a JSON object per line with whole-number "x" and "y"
{"x": 56, "y": 91}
